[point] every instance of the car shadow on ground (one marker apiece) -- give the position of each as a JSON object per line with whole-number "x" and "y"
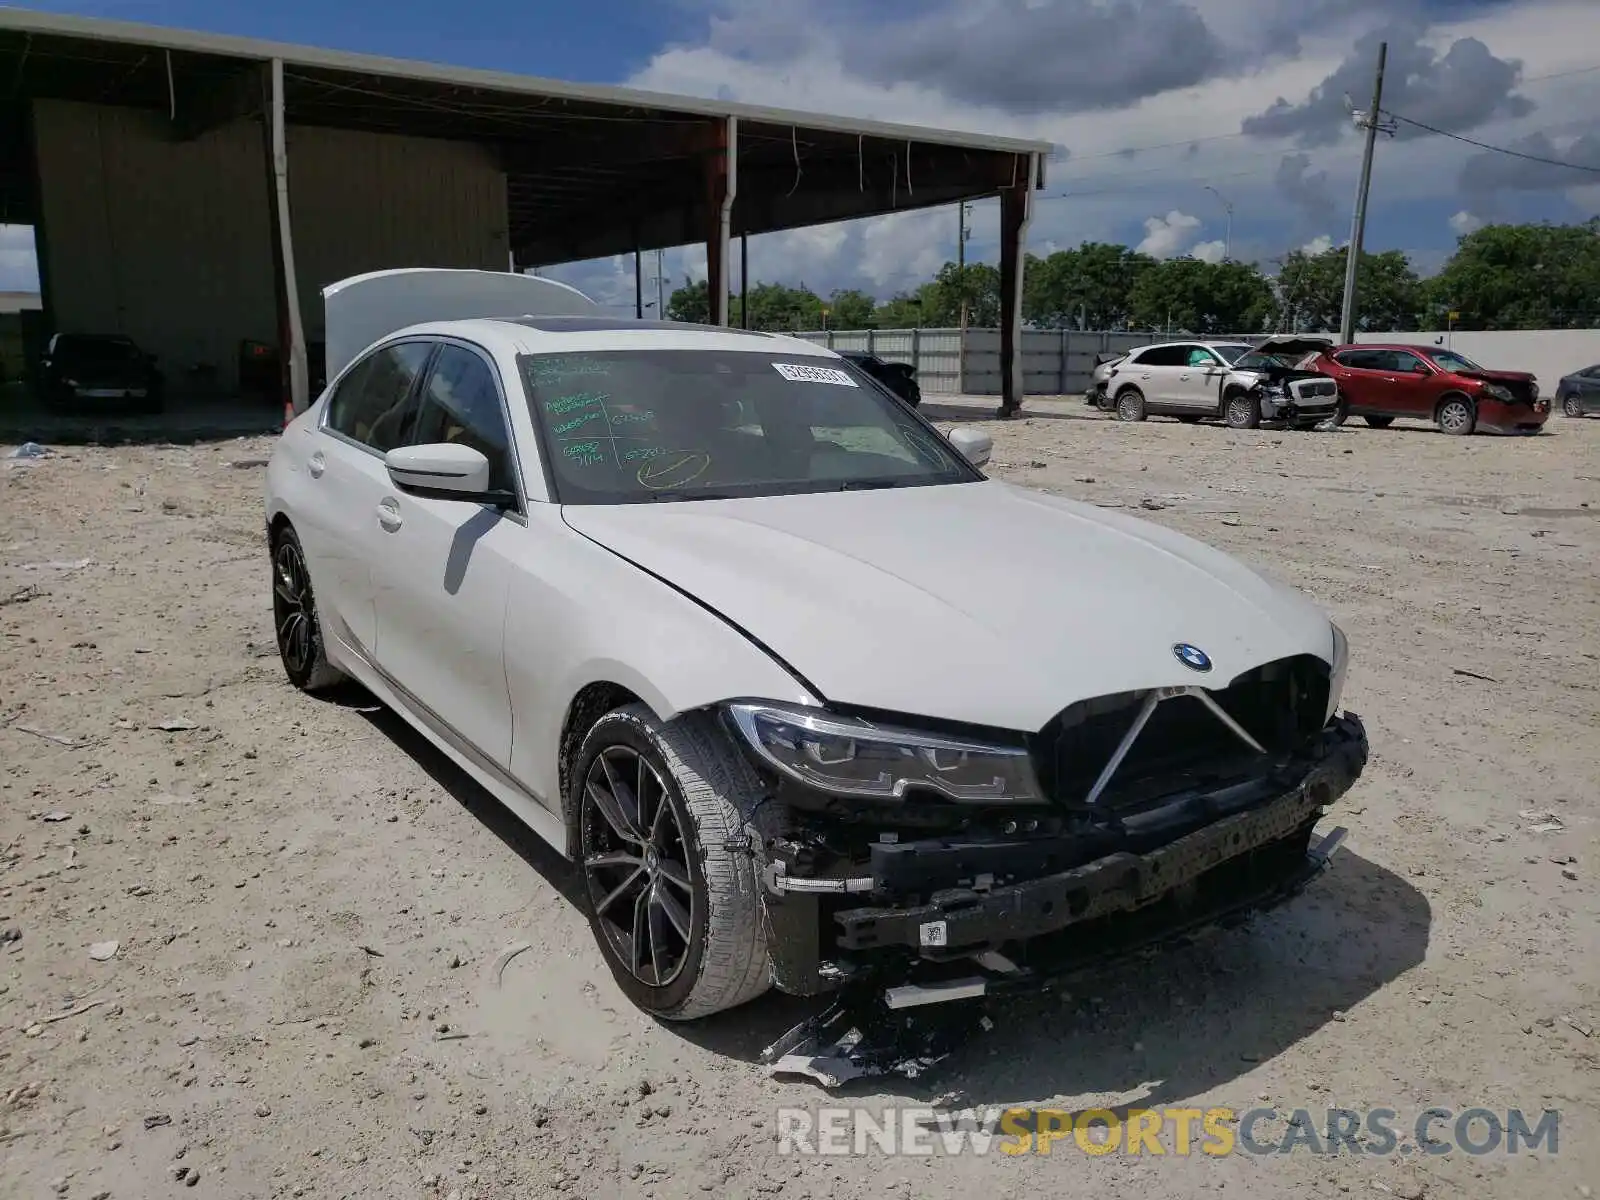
{"x": 496, "y": 817}
{"x": 1153, "y": 1029}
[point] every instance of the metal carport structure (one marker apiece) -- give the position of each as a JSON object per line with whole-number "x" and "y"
{"x": 588, "y": 170}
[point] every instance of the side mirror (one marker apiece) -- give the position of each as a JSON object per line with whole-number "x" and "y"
{"x": 973, "y": 444}
{"x": 442, "y": 471}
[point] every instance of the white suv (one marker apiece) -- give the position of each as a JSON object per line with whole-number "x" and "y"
{"x": 1176, "y": 379}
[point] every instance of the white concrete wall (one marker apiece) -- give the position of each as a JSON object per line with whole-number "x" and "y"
{"x": 1548, "y": 353}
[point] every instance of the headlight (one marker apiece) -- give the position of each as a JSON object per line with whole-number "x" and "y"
{"x": 1498, "y": 392}
{"x": 854, "y": 758}
{"x": 70, "y": 382}
{"x": 1340, "y": 664}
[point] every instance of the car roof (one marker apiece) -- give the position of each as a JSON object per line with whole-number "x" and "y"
{"x": 591, "y": 335}
{"x": 1415, "y": 348}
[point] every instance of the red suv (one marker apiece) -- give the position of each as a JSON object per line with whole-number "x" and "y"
{"x": 1382, "y": 382}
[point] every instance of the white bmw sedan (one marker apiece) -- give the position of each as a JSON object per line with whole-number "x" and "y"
{"x": 807, "y": 698}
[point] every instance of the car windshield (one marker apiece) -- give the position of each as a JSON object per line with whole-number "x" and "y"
{"x": 632, "y": 426}
{"x": 1449, "y": 360}
{"x": 106, "y": 350}
{"x": 1228, "y": 352}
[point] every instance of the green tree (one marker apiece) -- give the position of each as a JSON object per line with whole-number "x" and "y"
{"x": 691, "y": 302}
{"x": 851, "y": 309}
{"x": 976, "y": 283}
{"x": 1521, "y": 277}
{"x": 901, "y": 311}
{"x": 1311, "y": 291}
{"x": 1086, "y": 288}
{"x": 1200, "y": 297}
{"x": 778, "y": 307}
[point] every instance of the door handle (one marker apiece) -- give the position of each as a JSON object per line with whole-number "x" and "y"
{"x": 317, "y": 465}
{"x": 389, "y": 515}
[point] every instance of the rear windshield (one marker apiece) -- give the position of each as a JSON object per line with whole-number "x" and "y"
{"x": 629, "y": 426}
{"x": 95, "y": 349}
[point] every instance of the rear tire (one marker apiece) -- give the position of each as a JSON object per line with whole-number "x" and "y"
{"x": 1456, "y": 416}
{"x": 1572, "y": 406}
{"x": 295, "y": 622}
{"x": 1130, "y": 404}
{"x": 1379, "y": 422}
{"x": 1241, "y": 410}
{"x": 671, "y": 892}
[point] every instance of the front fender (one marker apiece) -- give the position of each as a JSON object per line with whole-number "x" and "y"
{"x": 581, "y": 615}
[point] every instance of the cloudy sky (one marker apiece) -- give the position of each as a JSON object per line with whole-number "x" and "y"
{"x": 1167, "y": 112}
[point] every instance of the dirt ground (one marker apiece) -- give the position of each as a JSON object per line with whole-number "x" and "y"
{"x": 309, "y": 906}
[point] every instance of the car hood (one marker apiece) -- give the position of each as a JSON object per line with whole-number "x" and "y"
{"x": 981, "y": 602}
{"x": 1497, "y": 376}
{"x": 1295, "y": 347}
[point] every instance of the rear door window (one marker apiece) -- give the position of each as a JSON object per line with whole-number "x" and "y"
{"x": 375, "y": 403}
{"x": 1362, "y": 360}
{"x": 1163, "y": 356}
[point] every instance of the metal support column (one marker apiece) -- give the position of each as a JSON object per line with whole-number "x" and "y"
{"x": 744, "y": 281}
{"x": 293, "y": 334}
{"x": 1016, "y": 208}
{"x": 722, "y": 186}
{"x": 638, "y": 284}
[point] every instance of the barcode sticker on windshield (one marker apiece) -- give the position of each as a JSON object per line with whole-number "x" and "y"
{"x": 795, "y": 373}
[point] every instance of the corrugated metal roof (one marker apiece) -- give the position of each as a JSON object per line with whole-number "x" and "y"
{"x": 158, "y": 37}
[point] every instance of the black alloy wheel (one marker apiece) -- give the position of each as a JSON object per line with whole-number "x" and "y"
{"x": 636, "y": 865}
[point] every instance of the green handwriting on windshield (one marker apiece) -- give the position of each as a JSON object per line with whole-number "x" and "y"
{"x": 551, "y": 370}
{"x": 559, "y": 406}
{"x": 634, "y": 417}
{"x": 643, "y": 453}
{"x": 580, "y": 419}
{"x": 584, "y": 454}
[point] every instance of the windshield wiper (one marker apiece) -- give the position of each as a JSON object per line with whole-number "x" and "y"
{"x": 862, "y": 485}
{"x": 659, "y": 497}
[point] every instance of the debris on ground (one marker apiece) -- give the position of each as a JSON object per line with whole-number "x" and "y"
{"x": 104, "y": 951}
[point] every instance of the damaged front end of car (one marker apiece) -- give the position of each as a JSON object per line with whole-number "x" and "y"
{"x": 914, "y": 867}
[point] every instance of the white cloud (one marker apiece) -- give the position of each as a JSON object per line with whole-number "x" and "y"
{"x": 1164, "y": 237}
{"x": 1211, "y": 252}
{"x": 1318, "y": 245}
{"x": 1465, "y": 222}
{"x": 1190, "y": 135}
{"x": 19, "y": 268}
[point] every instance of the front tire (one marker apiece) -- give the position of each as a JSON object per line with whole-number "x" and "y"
{"x": 1456, "y": 416}
{"x": 672, "y": 895}
{"x": 1130, "y": 404}
{"x": 1572, "y": 406}
{"x": 1242, "y": 411}
{"x": 295, "y": 620}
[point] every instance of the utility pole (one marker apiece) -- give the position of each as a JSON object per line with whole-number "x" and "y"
{"x": 961, "y": 264}
{"x": 1371, "y": 121}
{"x": 661, "y": 285}
{"x": 1227, "y": 237}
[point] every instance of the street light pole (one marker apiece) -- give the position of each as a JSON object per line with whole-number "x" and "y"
{"x": 1227, "y": 237}
{"x": 1371, "y": 121}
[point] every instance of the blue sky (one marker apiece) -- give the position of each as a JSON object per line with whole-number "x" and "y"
{"x": 1170, "y": 109}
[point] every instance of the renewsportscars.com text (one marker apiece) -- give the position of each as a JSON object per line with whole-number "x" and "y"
{"x": 1158, "y": 1132}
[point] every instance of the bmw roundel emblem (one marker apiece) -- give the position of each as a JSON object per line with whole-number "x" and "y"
{"x": 1192, "y": 657}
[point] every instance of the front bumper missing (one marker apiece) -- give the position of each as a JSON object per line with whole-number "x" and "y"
{"x": 907, "y": 1012}
{"x": 909, "y": 1029}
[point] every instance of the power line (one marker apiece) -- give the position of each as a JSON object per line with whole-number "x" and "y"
{"x": 1461, "y": 137}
